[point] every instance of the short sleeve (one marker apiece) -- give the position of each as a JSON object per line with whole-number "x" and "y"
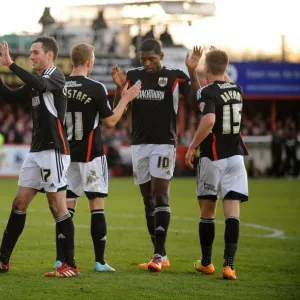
{"x": 240, "y": 89}
{"x": 205, "y": 101}
{"x": 102, "y": 103}
{"x": 54, "y": 80}
{"x": 129, "y": 79}
{"x": 184, "y": 83}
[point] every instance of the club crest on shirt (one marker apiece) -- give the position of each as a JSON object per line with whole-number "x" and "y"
{"x": 162, "y": 81}
{"x": 35, "y": 101}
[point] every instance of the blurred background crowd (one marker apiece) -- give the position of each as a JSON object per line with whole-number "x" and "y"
{"x": 16, "y": 128}
{"x": 270, "y": 122}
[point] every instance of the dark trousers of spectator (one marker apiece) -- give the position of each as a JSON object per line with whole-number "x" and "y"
{"x": 291, "y": 166}
{"x": 277, "y": 166}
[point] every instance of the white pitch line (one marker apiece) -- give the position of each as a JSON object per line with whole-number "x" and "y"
{"x": 274, "y": 233}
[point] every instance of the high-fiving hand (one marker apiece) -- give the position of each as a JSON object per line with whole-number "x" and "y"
{"x": 191, "y": 61}
{"x": 128, "y": 94}
{"x": 211, "y": 48}
{"x": 5, "y": 59}
{"x": 118, "y": 77}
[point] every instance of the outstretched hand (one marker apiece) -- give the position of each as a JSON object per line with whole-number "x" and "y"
{"x": 191, "y": 61}
{"x": 5, "y": 59}
{"x": 118, "y": 77}
{"x": 128, "y": 94}
{"x": 212, "y": 48}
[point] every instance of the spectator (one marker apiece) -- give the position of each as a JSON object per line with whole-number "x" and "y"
{"x": 113, "y": 46}
{"x": 276, "y": 152}
{"x": 166, "y": 38}
{"x": 46, "y": 21}
{"x": 149, "y": 34}
{"x": 99, "y": 26}
{"x": 291, "y": 144}
{"x": 137, "y": 40}
{"x": 2, "y": 155}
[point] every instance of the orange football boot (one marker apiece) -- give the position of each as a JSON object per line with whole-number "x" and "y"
{"x": 228, "y": 273}
{"x": 208, "y": 270}
{"x": 155, "y": 263}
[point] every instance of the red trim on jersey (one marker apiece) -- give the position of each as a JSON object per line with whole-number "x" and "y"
{"x": 175, "y": 83}
{"x": 88, "y": 155}
{"x": 214, "y": 147}
{"x": 243, "y": 142}
{"x": 62, "y": 136}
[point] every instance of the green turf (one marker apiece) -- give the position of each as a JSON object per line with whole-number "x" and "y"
{"x": 268, "y": 266}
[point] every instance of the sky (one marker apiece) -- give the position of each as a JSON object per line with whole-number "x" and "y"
{"x": 239, "y": 24}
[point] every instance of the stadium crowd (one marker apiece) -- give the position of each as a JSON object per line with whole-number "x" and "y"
{"x": 16, "y": 128}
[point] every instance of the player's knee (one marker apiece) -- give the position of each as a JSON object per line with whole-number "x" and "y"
{"x": 207, "y": 214}
{"x": 208, "y": 209}
{"x": 148, "y": 202}
{"x": 20, "y": 203}
{"x": 161, "y": 199}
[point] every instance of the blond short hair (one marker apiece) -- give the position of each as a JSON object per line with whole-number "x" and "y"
{"x": 81, "y": 53}
{"x": 217, "y": 62}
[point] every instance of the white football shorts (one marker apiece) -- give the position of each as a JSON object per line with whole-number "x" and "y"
{"x": 88, "y": 176}
{"x": 151, "y": 160}
{"x": 45, "y": 170}
{"x": 227, "y": 177}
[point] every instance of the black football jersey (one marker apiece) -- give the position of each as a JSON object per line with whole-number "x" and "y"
{"x": 49, "y": 104}
{"x": 154, "y": 110}
{"x": 223, "y": 99}
{"x": 48, "y": 114}
{"x": 87, "y": 104}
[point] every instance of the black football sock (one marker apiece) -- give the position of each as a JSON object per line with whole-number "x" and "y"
{"x": 232, "y": 229}
{"x": 98, "y": 233}
{"x": 13, "y": 230}
{"x": 161, "y": 220}
{"x": 66, "y": 238}
{"x": 150, "y": 226}
{"x": 206, "y": 237}
{"x": 59, "y": 250}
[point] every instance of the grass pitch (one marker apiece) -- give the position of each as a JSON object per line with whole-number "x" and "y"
{"x": 267, "y": 263}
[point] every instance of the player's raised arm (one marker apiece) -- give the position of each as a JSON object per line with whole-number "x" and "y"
{"x": 18, "y": 95}
{"x": 119, "y": 79}
{"x": 191, "y": 62}
{"x": 31, "y": 80}
{"x": 40, "y": 83}
{"x": 128, "y": 94}
{"x": 5, "y": 59}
